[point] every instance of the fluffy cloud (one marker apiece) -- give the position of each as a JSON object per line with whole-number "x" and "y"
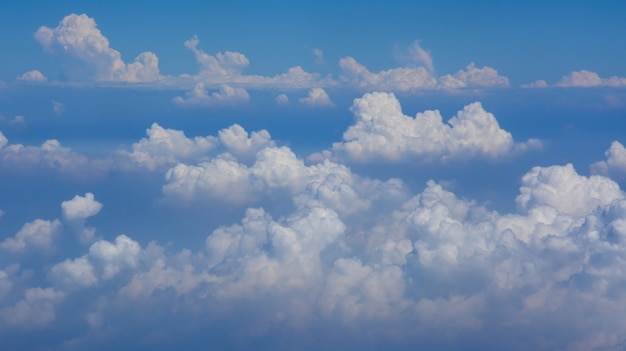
{"x": 382, "y": 131}
{"x": 226, "y": 95}
{"x": 397, "y": 79}
{"x": 33, "y": 76}
{"x": 561, "y": 188}
{"x": 50, "y": 155}
{"x": 227, "y": 69}
{"x": 77, "y": 210}
{"x": 317, "y": 98}
{"x": 37, "y": 234}
{"x": 35, "y": 311}
{"x": 615, "y": 163}
{"x": 584, "y": 78}
{"x": 355, "y": 252}
{"x": 473, "y": 77}
{"x": 78, "y": 39}
{"x": 282, "y": 99}
{"x": 418, "y": 78}
{"x": 165, "y": 146}
{"x": 104, "y": 261}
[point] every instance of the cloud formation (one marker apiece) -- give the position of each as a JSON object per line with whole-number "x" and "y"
{"x": 615, "y": 164}
{"x": 226, "y": 95}
{"x": 77, "y": 210}
{"x": 586, "y": 79}
{"x": 33, "y": 76}
{"x": 78, "y": 40}
{"x": 382, "y": 131}
{"x": 317, "y": 98}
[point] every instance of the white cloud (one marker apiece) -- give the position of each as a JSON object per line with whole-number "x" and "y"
{"x": 418, "y": 78}
{"x": 282, "y": 99}
{"x": 77, "y": 210}
{"x": 615, "y": 164}
{"x": 168, "y": 146}
{"x": 104, "y": 261}
{"x": 227, "y": 69}
{"x": 77, "y": 38}
{"x": 35, "y": 311}
{"x": 244, "y": 145}
{"x": 226, "y": 95}
{"x": 50, "y": 155}
{"x": 584, "y": 78}
{"x": 397, "y": 79}
{"x": 561, "y": 188}
{"x": 417, "y": 55}
{"x": 80, "y": 207}
{"x": 38, "y": 234}
{"x": 473, "y": 77}
{"x": 317, "y": 98}
{"x": 228, "y": 64}
{"x": 382, "y": 131}
{"x": 33, "y": 76}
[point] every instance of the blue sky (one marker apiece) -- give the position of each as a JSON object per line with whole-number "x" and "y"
{"x": 295, "y": 175}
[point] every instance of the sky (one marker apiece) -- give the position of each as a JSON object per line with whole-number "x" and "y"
{"x": 312, "y": 175}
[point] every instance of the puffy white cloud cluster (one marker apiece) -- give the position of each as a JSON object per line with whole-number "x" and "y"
{"x": 473, "y": 77}
{"x": 317, "y": 98}
{"x": 226, "y": 95}
{"x": 584, "y": 78}
{"x": 38, "y": 234}
{"x": 615, "y": 164}
{"x": 77, "y": 210}
{"x": 33, "y": 76}
{"x": 418, "y": 78}
{"x": 382, "y": 131}
{"x": 50, "y": 155}
{"x": 226, "y": 69}
{"x": 78, "y": 39}
{"x": 357, "y": 252}
{"x": 166, "y": 147}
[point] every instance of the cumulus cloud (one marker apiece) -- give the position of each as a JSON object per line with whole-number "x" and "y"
{"x": 38, "y": 234}
{"x": 473, "y": 77}
{"x": 226, "y": 95}
{"x": 397, "y": 79}
{"x": 282, "y": 99}
{"x": 382, "y": 131}
{"x": 615, "y": 164}
{"x": 165, "y": 146}
{"x": 418, "y": 78}
{"x": 584, "y": 78}
{"x": 317, "y": 98}
{"x": 77, "y": 210}
{"x": 78, "y": 40}
{"x": 34, "y": 312}
{"x": 104, "y": 261}
{"x": 227, "y": 69}
{"x": 33, "y": 76}
{"x": 355, "y": 252}
{"x": 50, "y": 155}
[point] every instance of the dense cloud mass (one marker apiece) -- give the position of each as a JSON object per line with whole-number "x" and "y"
{"x": 348, "y": 253}
{"x": 78, "y": 39}
{"x": 382, "y": 131}
{"x": 388, "y": 232}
